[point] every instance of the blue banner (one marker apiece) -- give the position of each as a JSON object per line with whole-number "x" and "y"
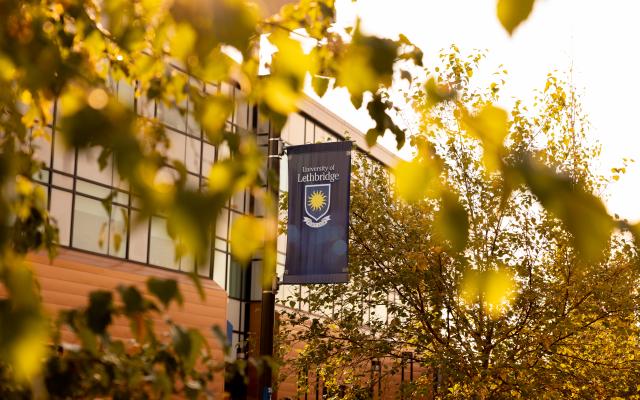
{"x": 317, "y": 233}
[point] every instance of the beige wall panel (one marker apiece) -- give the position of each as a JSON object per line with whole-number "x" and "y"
{"x": 66, "y": 282}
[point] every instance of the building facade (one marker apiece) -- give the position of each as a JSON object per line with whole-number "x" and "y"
{"x": 100, "y": 250}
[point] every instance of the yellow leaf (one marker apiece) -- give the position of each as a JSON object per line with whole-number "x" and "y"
{"x": 95, "y": 45}
{"x": 355, "y": 73}
{"x": 24, "y": 186}
{"x": 220, "y": 177}
{"x": 490, "y": 126}
{"x": 71, "y": 100}
{"x": 183, "y": 40}
{"x": 29, "y": 352}
{"x": 280, "y": 96}
{"x": 512, "y": 13}
{"x": 416, "y": 180}
{"x": 215, "y": 111}
{"x": 499, "y": 288}
{"x": 7, "y": 69}
{"x": 495, "y": 289}
{"x": 246, "y": 237}
{"x": 290, "y": 61}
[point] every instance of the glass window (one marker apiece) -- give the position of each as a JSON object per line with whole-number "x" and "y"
{"x": 242, "y": 114}
{"x": 208, "y": 158}
{"x": 138, "y": 237}
{"x": 146, "y": 107}
{"x": 118, "y": 181}
{"x": 193, "y": 127}
{"x": 62, "y": 181}
{"x": 263, "y": 125}
{"x": 162, "y": 250}
{"x": 233, "y": 313}
{"x": 177, "y": 145}
{"x": 187, "y": 263}
{"x": 89, "y": 168}
{"x": 220, "y": 268}
{"x": 60, "y": 209}
{"x": 170, "y": 115}
{"x": 192, "y": 160}
{"x": 118, "y": 229}
{"x": 125, "y": 93}
{"x": 193, "y": 182}
{"x": 63, "y": 156}
{"x": 221, "y": 224}
{"x": 92, "y": 189}
{"x": 223, "y": 151}
{"x": 204, "y": 268}
{"x": 238, "y": 200}
{"x": 121, "y": 198}
{"x": 41, "y": 176}
{"x": 236, "y": 277}
{"x": 90, "y": 225}
{"x": 256, "y": 278}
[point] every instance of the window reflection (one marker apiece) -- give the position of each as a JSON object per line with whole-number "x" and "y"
{"x": 161, "y": 247}
{"x": 90, "y": 225}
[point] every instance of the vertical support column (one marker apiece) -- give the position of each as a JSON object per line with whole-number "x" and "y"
{"x": 269, "y": 284}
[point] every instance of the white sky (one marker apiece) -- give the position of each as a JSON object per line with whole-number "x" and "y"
{"x": 599, "y": 38}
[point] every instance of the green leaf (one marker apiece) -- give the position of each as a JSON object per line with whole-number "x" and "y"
{"x": 133, "y": 301}
{"x": 451, "y": 222}
{"x": 187, "y": 345}
{"x": 377, "y": 108}
{"x": 99, "y": 312}
{"x": 320, "y": 85}
{"x": 582, "y": 213}
{"x": 215, "y": 22}
{"x": 512, "y": 13}
{"x": 406, "y": 75}
{"x": 437, "y": 92}
{"x": 367, "y": 64}
{"x": 165, "y": 290}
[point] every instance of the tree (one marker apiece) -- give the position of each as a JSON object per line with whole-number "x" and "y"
{"x": 514, "y": 309}
{"x": 59, "y": 59}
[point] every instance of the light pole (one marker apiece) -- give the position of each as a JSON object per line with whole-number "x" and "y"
{"x": 269, "y": 278}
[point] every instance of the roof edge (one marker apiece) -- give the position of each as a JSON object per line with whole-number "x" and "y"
{"x": 345, "y": 130}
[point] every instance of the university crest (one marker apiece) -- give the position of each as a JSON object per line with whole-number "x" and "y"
{"x": 317, "y": 200}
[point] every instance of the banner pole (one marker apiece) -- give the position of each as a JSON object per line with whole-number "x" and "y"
{"x": 269, "y": 279}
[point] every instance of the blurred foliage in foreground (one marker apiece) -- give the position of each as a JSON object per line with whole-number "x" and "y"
{"x": 491, "y": 276}
{"x": 58, "y": 59}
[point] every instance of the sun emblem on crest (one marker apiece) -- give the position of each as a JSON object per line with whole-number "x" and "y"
{"x": 317, "y": 200}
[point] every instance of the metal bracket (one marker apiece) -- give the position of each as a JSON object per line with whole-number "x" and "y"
{"x": 281, "y": 148}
